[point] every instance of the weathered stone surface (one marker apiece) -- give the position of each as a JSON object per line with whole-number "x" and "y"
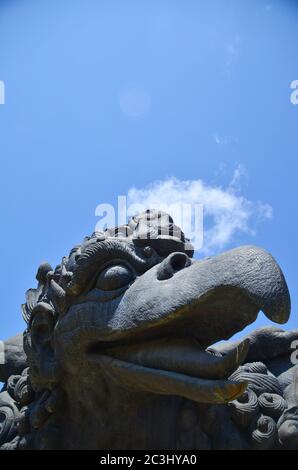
{"x": 119, "y": 349}
{"x": 14, "y": 357}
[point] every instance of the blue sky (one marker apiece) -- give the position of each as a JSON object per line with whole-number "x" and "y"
{"x": 104, "y": 96}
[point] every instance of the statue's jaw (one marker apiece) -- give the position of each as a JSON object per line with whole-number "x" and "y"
{"x": 172, "y": 366}
{"x": 140, "y": 378}
{"x": 178, "y": 354}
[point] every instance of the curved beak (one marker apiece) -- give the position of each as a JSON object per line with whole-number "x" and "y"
{"x": 210, "y": 299}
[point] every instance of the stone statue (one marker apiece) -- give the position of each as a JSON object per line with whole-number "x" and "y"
{"x": 120, "y": 349}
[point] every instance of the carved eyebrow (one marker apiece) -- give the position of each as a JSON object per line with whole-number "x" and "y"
{"x": 94, "y": 255}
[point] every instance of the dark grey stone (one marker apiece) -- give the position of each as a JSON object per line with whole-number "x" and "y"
{"x": 120, "y": 349}
{"x": 14, "y": 357}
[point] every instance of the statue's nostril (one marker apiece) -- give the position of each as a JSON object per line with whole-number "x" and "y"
{"x": 172, "y": 264}
{"x": 179, "y": 261}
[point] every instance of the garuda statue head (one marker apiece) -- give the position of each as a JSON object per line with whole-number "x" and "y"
{"x": 119, "y": 348}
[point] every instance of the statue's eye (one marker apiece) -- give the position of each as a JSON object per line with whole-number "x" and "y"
{"x": 114, "y": 277}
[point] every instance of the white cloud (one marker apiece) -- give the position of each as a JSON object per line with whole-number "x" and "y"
{"x": 227, "y": 212}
